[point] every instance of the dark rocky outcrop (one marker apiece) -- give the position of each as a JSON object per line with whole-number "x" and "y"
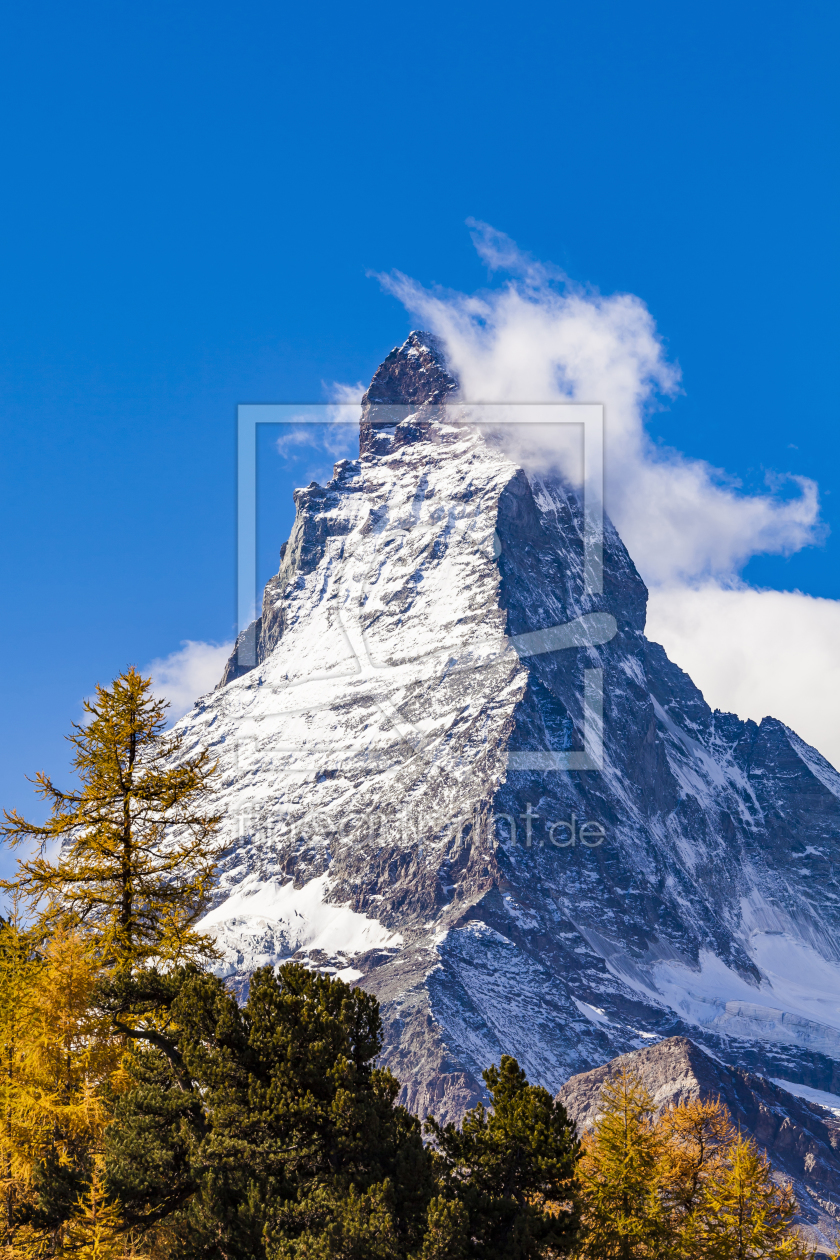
{"x": 414, "y": 375}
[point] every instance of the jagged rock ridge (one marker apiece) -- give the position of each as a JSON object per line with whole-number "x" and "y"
{"x": 367, "y": 753}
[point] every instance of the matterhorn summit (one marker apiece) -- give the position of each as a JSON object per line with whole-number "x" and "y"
{"x": 384, "y": 822}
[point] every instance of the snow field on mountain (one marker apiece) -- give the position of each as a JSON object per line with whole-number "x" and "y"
{"x": 821, "y": 1097}
{"x": 267, "y": 921}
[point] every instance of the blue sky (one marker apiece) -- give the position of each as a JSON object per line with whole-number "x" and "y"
{"x": 195, "y": 195}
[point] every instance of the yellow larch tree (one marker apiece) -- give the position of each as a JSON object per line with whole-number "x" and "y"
{"x": 19, "y": 964}
{"x": 136, "y": 843}
{"x": 96, "y": 1231}
{"x": 696, "y": 1136}
{"x": 744, "y": 1214}
{"x": 64, "y": 1057}
{"x": 684, "y": 1186}
{"x": 619, "y": 1176}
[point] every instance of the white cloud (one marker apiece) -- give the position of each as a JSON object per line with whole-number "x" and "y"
{"x": 345, "y": 395}
{"x": 190, "y": 672}
{"x": 288, "y": 442}
{"x": 689, "y": 527}
{"x": 337, "y": 435}
{"x": 540, "y": 338}
{"x": 757, "y": 653}
{"x": 340, "y": 438}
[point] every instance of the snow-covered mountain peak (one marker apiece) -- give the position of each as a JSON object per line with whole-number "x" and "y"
{"x": 397, "y": 806}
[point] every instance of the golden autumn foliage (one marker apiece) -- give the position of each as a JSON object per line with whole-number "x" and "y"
{"x": 136, "y": 842}
{"x": 618, "y": 1173}
{"x": 60, "y": 1054}
{"x": 95, "y": 1231}
{"x": 744, "y": 1213}
{"x": 682, "y": 1186}
{"x": 119, "y": 877}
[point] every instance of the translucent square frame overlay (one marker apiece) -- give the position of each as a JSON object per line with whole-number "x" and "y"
{"x": 590, "y": 630}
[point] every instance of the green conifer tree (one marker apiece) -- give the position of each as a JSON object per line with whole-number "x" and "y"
{"x": 511, "y": 1170}
{"x": 136, "y": 854}
{"x": 619, "y": 1177}
{"x": 447, "y": 1231}
{"x": 265, "y": 1132}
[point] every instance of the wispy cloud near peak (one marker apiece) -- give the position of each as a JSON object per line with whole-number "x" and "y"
{"x": 538, "y": 337}
{"x": 184, "y": 675}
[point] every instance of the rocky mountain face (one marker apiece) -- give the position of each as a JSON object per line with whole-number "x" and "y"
{"x": 381, "y": 823}
{"x": 801, "y": 1137}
